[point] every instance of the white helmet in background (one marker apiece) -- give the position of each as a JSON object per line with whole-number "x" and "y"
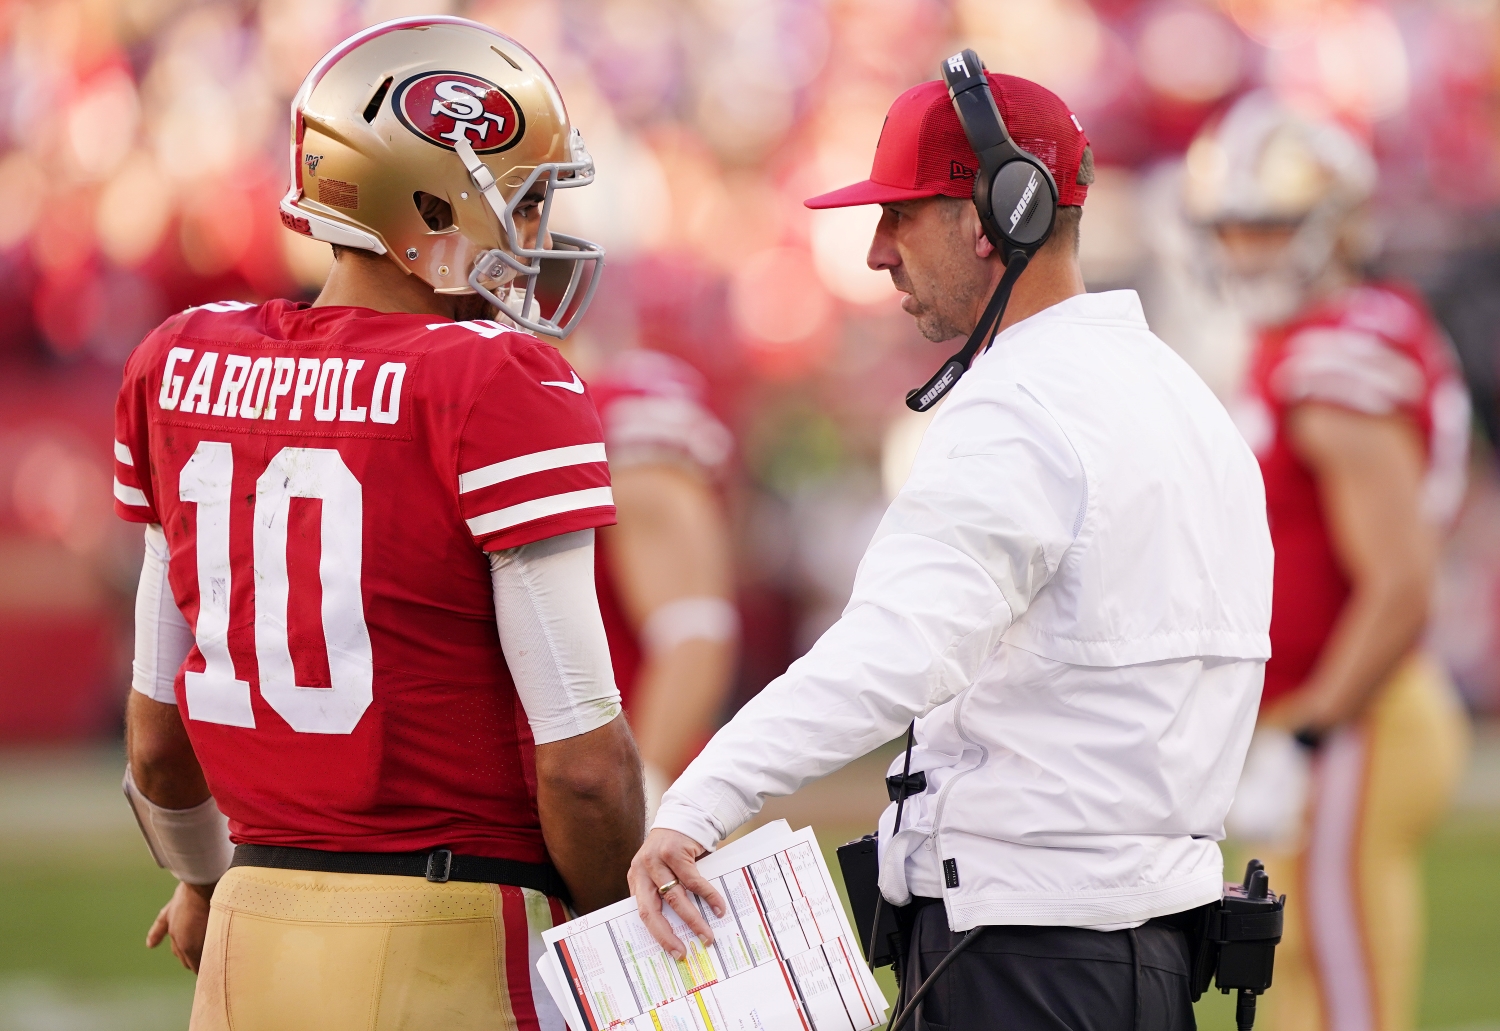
{"x": 1264, "y": 165}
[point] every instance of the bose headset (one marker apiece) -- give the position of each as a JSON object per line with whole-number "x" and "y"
{"x": 1016, "y": 198}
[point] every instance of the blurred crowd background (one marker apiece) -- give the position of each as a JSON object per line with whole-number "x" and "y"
{"x": 143, "y": 149}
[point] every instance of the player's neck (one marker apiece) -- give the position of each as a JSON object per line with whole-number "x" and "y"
{"x": 361, "y": 280}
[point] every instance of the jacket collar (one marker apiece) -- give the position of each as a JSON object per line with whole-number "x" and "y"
{"x": 1115, "y": 306}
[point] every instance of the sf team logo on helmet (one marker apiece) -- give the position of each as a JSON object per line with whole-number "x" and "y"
{"x": 444, "y": 107}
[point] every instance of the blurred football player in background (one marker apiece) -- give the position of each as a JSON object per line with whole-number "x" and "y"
{"x": 665, "y": 568}
{"x": 367, "y": 628}
{"x": 1354, "y": 408}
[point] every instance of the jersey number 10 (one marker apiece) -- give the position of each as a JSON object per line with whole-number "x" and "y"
{"x": 216, "y": 695}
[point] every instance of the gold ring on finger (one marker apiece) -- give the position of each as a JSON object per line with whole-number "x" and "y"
{"x": 662, "y": 891}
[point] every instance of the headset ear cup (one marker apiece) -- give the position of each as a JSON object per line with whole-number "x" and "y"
{"x": 1022, "y": 203}
{"x": 1044, "y": 213}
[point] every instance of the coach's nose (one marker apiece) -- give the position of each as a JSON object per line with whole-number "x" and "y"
{"x": 883, "y": 254}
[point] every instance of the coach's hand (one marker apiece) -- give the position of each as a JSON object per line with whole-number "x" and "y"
{"x": 665, "y": 857}
{"x": 185, "y": 920}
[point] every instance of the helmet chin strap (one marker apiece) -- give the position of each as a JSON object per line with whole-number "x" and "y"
{"x": 480, "y": 173}
{"x": 934, "y": 390}
{"x": 489, "y": 189}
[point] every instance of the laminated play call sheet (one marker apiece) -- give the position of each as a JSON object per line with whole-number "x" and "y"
{"x": 783, "y": 956}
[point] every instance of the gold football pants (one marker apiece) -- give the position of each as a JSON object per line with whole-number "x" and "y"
{"x": 289, "y": 950}
{"x": 1351, "y": 958}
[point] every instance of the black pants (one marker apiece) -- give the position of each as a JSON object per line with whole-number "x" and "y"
{"x": 1049, "y": 978}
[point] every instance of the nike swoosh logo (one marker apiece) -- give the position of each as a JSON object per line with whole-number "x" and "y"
{"x": 576, "y": 386}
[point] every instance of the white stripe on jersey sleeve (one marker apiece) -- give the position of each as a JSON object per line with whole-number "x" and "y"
{"x": 526, "y": 511}
{"x": 540, "y": 461}
{"x": 122, "y": 454}
{"x": 1345, "y": 367}
{"x": 130, "y": 495}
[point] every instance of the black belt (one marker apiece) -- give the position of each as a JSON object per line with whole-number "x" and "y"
{"x": 438, "y": 866}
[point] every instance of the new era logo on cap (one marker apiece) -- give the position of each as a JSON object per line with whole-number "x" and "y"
{"x": 923, "y": 151}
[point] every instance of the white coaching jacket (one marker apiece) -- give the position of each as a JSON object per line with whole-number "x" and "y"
{"x": 1073, "y": 593}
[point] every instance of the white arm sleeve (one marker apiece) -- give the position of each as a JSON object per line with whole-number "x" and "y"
{"x": 553, "y": 635}
{"x": 162, "y": 635}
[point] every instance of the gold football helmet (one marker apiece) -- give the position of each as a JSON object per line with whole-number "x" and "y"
{"x": 420, "y": 139}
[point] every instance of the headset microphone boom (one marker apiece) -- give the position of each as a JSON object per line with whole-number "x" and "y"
{"x": 1009, "y": 181}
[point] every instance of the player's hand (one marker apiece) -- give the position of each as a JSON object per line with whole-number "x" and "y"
{"x": 185, "y": 920}
{"x": 1311, "y": 707}
{"x": 670, "y": 856}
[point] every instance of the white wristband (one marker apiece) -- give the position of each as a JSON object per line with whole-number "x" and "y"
{"x": 192, "y": 843}
{"x": 701, "y": 618}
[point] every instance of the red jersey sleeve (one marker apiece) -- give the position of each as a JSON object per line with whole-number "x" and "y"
{"x": 134, "y": 496}
{"x": 531, "y": 460}
{"x": 654, "y": 409}
{"x": 1371, "y": 356}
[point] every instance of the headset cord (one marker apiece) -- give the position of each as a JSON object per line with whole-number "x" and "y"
{"x": 920, "y": 400}
{"x": 1135, "y": 962}
{"x": 911, "y": 740}
{"x": 933, "y": 391}
{"x": 898, "y": 1021}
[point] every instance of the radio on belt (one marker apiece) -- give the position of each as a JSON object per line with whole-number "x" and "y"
{"x": 1236, "y": 941}
{"x": 1232, "y": 942}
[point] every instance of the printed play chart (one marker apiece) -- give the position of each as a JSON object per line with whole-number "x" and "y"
{"x": 783, "y": 956}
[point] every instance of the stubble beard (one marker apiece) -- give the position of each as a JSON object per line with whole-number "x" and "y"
{"x": 939, "y": 322}
{"x": 932, "y": 325}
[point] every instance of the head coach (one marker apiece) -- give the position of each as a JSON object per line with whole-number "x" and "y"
{"x": 1071, "y": 595}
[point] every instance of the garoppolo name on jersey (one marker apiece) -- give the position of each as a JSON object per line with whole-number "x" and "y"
{"x": 253, "y": 387}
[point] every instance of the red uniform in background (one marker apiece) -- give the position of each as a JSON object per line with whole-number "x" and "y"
{"x": 1372, "y": 349}
{"x": 654, "y": 410}
{"x": 1377, "y": 784}
{"x": 329, "y": 481}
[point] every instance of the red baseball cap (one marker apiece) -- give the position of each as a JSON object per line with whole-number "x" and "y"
{"x": 923, "y": 151}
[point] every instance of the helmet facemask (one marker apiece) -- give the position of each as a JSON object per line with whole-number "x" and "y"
{"x": 496, "y": 271}
{"x": 1273, "y": 294}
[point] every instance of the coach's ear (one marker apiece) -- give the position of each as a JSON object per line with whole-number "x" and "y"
{"x": 983, "y": 249}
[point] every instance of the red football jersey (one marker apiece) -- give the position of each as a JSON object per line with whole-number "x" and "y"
{"x": 329, "y": 481}
{"x": 1372, "y": 349}
{"x": 654, "y": 408}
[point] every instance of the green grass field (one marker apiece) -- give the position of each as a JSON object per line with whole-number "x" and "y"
{"x": 74, "y": 908}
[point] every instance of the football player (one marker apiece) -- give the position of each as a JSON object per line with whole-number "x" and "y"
{"x": 367, "y": 631}
{"x": 665, "y": 568}
{"x": 1360, "y": 422}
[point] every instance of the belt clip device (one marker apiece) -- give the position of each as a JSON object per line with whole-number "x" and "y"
{"x": 1235, "y": 945}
